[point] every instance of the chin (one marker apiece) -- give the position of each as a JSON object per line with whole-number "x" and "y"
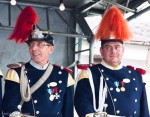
{"x": 36, "y": 60}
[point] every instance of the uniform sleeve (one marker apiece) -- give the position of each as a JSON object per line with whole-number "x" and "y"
{"x": 67, "y": 109}
{"x": 12, "y": 96}
{"x": 1, "y": 75}
{"x": 144, "y": 111}
{"x": 83, "y": 95}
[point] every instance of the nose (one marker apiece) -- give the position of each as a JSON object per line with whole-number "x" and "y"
{"x": 113, "y": 50}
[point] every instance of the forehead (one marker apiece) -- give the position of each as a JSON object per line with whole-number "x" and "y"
{"x": 112, "y": 44}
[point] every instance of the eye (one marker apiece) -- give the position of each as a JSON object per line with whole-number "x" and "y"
{"x": 31, "y": 44}
{"x": 41, "y": 44}
{"x": 108, "y": 48}
{"x": 117, "y": 47}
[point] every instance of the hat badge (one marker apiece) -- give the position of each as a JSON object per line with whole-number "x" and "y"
{"x": 37, "y": 34}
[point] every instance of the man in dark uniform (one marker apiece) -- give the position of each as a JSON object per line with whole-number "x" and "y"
{"x": 38, "y": 88}
{"x": 110, "y": 89}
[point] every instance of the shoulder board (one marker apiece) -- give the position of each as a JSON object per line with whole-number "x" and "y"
{"x": 141, "y": 71}
{"x": 84, "y": 74}
{"x": 84, "y": 66}
{"x": 129, "y": 66}
{"x": 15, "y": 65}
{"x": 61, "y": 67}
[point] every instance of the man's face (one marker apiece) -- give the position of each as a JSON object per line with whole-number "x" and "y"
{"x": 112, "y": 53}
{"x": 40, "y": 51}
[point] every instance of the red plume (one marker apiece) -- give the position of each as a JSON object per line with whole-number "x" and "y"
{"x": 113, "y": 25}
{"x": 24, "y": 23}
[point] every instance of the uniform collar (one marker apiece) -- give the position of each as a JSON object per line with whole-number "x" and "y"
{"x": 111, "y": 67}
{"x": 39, "y": 66}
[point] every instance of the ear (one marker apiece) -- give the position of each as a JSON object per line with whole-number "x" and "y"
{"x": 51, "y": 49}
{"x": 101, "y": 51}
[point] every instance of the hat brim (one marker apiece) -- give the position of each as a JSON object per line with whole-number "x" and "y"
{"x": 110, "y": 40}
{"x": 48, "y": 41}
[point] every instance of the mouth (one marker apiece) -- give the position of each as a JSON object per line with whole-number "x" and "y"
{"x": 113, "y": 56}
{"x": 35, "y": 54}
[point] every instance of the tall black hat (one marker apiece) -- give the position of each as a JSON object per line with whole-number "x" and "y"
{"x": 37, "y": 35}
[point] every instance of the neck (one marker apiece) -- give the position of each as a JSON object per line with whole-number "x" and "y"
{"x": 39, "y": 66}
{"x": 113, "y": 67}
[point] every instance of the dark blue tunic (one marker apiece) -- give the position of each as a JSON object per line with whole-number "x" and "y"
{"x": 40, "y": 104}
{"x": 130, "y": 103}
{"x": 1, "y": 95}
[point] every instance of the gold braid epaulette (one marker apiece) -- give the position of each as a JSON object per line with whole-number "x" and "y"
{"x": 83, "y": 74}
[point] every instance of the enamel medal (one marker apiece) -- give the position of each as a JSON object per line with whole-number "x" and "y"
{"x": 122, "y": 87}
{"x": 117, "y": 85}
{"x": 53, "y": 91}
{"x": 51, "y": 97}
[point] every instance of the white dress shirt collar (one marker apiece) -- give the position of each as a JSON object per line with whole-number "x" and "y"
{"x": 111, "y": 67}
{"x": 39, "y": 66}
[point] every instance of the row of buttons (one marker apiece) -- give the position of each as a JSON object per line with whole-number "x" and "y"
{"x": 115, "y": 99}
